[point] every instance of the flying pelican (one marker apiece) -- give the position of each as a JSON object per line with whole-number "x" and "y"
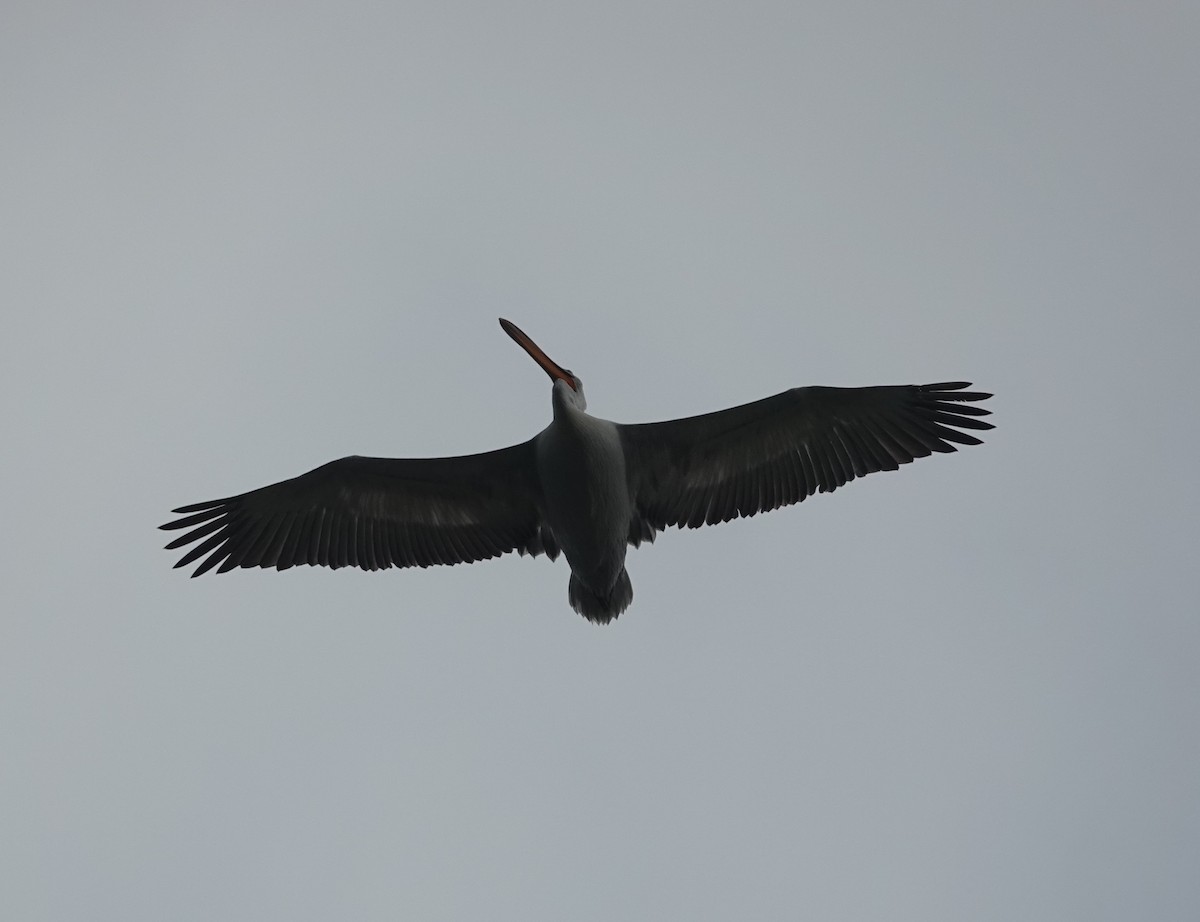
{"x": 584, "y": 486}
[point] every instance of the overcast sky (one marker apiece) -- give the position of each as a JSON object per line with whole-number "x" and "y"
{"x": 240, "y": 240}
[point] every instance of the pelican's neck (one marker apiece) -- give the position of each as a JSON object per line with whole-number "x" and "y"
{"x": 567, "y": 402}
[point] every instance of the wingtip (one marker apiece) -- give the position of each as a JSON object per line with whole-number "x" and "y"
{"x": 201, "y": 507}
{"x": 957, "y": 392}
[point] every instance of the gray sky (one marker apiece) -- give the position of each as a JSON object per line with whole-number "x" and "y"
{"x": 240, "y": 241}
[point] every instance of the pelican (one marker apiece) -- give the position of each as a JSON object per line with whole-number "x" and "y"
{"x": 583, "y": 486}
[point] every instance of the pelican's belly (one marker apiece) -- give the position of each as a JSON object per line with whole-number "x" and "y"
{"x": 582, "y": 469}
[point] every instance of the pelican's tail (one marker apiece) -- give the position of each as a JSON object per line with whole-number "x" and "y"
{"x": 601, "y": 609}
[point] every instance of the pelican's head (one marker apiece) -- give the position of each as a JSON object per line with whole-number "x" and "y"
{"x": 568, "y": 389}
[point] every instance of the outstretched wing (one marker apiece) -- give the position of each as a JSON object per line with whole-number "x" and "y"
{"x": 774, "y": 452}
{"x": 373, "y": 513}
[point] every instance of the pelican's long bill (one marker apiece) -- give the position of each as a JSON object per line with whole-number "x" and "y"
{"x": 521, "y": 338}
{"x": 583, "y": 487}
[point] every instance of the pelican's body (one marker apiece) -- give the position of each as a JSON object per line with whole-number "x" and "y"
{"x": 585, "y": 486}
{"x": 581, "y": 467}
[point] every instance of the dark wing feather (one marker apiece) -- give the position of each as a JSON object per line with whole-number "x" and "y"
{"x": 374, "y": 513}
{"x": 775, "y": 452}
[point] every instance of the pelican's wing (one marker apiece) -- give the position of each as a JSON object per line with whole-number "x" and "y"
{"x": 373, "y": 513}
{"x": 775, "y": 452}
